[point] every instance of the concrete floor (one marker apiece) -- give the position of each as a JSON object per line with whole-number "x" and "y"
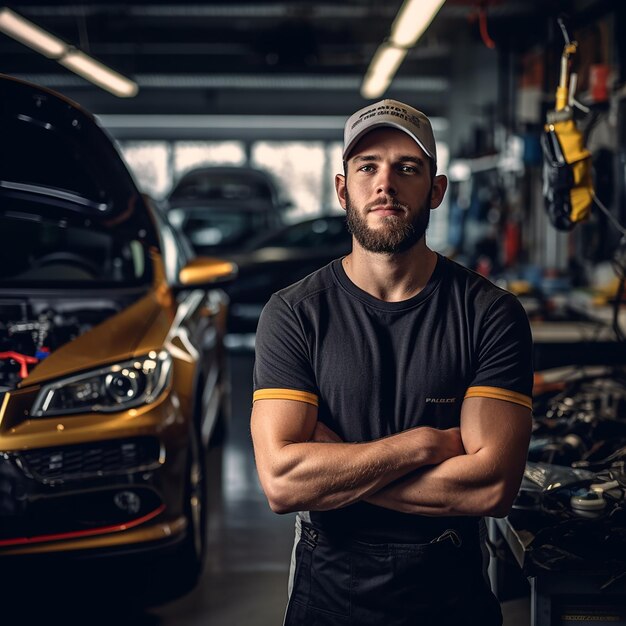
{"x": 245, "y": 580}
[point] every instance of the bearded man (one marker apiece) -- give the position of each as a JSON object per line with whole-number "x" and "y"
{"x": 392, "y": 402}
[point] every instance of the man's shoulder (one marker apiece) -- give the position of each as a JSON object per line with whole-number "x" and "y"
{"x": 474, "y": 283}
{"x": 291, "y": 306}
{"x": 319, "y": 281}
{"x": 471, "y": 291}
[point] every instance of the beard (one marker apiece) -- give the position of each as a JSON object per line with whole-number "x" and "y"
{"x": 396, "y": 234}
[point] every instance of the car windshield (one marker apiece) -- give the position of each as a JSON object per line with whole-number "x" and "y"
{"x": 57, "y": 251}
{"x": 218, "y": 228}
{"x": 223, "y": 186}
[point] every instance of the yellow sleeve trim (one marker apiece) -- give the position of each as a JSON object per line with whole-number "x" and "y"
{"x": 285, "y": 394}
{"x": 499, "y": 394}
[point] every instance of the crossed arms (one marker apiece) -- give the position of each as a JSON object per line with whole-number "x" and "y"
{"x": 472, "y": 470}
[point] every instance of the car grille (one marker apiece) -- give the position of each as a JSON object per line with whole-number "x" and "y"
{"x": 92, "y": 459}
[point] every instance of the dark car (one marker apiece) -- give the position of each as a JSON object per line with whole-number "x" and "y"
{"x": 112, "y": 367}
{"x": 277, "y": 259}
{"x": 222, "y": 228}
{"x": 230, "y": 183}
{"x": 221, "y": 208}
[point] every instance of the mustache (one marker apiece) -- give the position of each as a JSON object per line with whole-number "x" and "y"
{"x": 386, "y": 201}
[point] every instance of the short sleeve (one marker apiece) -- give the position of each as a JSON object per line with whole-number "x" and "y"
{"x": 282, "y": 367}
{"x": 505, "y": 369}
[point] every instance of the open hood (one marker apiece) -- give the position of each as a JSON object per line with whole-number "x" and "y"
{"x": 70, "y": 212}
{"x": 56, "y": 153}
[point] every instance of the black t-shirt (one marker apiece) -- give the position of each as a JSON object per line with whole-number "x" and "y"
{"x": 375, "y": 368}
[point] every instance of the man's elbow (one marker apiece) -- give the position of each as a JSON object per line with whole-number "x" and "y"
{"x": 281, "y": 507}
{"x": 500, "y": 500}
{"x": 280, "y": 497}
{"x": 502, "y": 509}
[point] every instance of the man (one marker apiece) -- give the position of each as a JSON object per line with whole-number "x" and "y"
{"x": 392, "y": 402}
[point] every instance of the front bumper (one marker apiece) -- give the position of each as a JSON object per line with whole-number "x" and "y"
{"x": 93, "y": 482}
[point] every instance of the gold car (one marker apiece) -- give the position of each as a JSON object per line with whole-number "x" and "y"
{"x": 112, "y": 367}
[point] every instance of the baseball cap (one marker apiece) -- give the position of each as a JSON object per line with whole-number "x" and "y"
{"x": 396, "y": 115}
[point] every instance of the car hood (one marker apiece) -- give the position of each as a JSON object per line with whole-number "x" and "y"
{"x": 136, "y": 330}
{"x": 60, "y": 154}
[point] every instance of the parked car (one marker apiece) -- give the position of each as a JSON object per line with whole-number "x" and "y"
{"x": 277, "y": 259}
{"x": 228, "y": 183}
{"x": 220, "y": 208}
{"x": 222, "y": 228}
{"x": 112, "y": 368}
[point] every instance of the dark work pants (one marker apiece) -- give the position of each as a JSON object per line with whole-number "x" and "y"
{"x": 353, "y": 583}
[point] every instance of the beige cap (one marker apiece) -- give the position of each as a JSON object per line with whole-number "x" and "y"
{"x": 390, "y": 113}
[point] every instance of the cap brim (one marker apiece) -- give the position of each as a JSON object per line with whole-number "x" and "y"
{"x": 388, "y": 124}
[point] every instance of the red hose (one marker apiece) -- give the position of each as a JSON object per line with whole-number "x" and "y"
{"x": 22, "y": 359}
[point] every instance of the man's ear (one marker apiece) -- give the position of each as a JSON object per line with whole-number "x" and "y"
{"x": 440, "y": 184}
{"x": 340, "y": 188}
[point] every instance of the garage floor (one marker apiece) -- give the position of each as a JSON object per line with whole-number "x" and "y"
{"x": 245, "y": 580}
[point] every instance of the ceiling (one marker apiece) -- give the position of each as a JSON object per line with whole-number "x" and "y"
{"x": 279, "y": 58}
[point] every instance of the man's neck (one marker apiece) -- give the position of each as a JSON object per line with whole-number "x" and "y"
{"x": 391, "y": 277}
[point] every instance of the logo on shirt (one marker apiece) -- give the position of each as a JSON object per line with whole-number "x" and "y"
{"x": 440, "y": 400}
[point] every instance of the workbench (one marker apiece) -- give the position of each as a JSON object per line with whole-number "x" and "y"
{"x": 557, "y": 598}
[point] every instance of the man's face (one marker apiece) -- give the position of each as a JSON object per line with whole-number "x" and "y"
{"x": 397, "y": 232}
{"x": 388, "y": 191}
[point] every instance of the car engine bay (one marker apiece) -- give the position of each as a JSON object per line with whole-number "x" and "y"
{"x": 33, "y": 328}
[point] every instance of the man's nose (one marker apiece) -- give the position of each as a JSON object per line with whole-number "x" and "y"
{"x": 385, "y": 182}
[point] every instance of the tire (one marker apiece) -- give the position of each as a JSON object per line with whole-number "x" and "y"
{"x": 220, "y": 431}
{"x": 178, "y": 573}
{"x": 222, "y": 421}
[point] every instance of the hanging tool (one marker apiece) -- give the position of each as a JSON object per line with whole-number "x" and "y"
{"x": 567, "y": 181}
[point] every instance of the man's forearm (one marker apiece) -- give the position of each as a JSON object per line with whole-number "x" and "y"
{"x": 321, "y": 476}
{"x": 464, "y": 485}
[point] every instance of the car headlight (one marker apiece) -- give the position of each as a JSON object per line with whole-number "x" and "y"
{"x": 108, "y": 389}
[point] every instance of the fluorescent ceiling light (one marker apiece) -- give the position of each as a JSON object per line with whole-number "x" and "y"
{"x": 412, "y": 20}
{"x": 99, "y": 74}
{"x": 381, "y": 71}
{"x": 30, "y": 35}
{"x": 43, "y": 42}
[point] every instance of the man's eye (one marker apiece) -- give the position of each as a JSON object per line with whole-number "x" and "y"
{"x": 408, "y": 169}
{"x": 366, "y": 168}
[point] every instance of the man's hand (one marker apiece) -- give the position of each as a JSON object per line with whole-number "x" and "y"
{"x": 323, "y": 434}
{"x": 449, "y": 443}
